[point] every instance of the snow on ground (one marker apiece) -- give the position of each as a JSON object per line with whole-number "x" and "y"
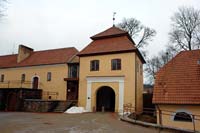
{"x": 75, "y": 110}
{"x": 124, "y": 113}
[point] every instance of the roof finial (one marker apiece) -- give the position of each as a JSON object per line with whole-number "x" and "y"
{"x": 114, "y": 13}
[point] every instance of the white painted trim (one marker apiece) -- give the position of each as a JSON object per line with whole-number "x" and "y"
{"x": 119, "y": 79}
{"x": 105, "y": 79}
{"x": 88, "y": 98}
{"x": 121, "y": 96}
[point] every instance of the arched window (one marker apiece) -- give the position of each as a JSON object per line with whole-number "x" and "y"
{"x": 49, "y": 76}
{"x": 35, "y": 82}
{"x": 2, "y": 78}
{"x": 182, "y": 116}
{"x": 23, "y": 78}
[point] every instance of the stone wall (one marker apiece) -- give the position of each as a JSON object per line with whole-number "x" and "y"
{"x": 11, "y": 99}
{"x": 37, "y": 105}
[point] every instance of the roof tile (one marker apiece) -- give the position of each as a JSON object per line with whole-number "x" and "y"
{"x": 46, "y": 57}
{"x": 178, "y": 82}
{"x": 110, "y": 32}
{"x": 110, "y": 40}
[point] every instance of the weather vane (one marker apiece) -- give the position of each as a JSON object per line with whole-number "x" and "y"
{"x": 114, "y": 13}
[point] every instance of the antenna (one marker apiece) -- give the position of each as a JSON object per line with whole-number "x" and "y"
{"x": 114, "y": 13}
{"x": 13, "y": 51}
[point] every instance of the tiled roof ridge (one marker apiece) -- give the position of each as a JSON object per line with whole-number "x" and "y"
{"x": 39, "y": 51}
{"x": 177, "y": 82}
{"x": 106, "y": 33}
{"x": 175, "y": 58}
{"x": 43, "y": 57}
{"x": 169, "y": 62}
{"x": 8, "y": 55}
{"x": 54, "y": 49}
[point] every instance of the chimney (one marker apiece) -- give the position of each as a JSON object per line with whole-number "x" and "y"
{"x": 23, "y": 53}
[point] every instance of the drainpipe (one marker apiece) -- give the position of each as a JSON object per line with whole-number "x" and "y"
{"x": 135, "y": 84}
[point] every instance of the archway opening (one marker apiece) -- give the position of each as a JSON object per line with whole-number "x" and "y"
{"x": 105, "y": 99}
{"x": 35, "y": 82}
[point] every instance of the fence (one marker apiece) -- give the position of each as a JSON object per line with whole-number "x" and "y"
{"x": 12, "y": 99}
{"x": 18, "y": 84}
{"x": 160, "y": 114}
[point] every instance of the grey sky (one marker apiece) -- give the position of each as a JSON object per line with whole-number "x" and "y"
{"x": 48, "y": 24}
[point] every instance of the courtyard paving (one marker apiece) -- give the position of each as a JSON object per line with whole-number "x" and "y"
{"x": 20, "y": 122}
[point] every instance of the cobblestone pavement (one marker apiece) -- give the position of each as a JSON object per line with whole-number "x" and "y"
{"x": 20, "y": 122}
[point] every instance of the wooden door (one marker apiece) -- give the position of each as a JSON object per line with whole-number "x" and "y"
{"x": 35, "y": 83}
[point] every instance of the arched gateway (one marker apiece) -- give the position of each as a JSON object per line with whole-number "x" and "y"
{"x": 105, "y": 99}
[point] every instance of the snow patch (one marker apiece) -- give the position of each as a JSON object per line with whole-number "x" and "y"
{"x": 124, "y": 113}
{"x": 75, "y": 110}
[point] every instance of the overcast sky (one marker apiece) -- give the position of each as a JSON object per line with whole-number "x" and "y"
{"x": 49, "y": 24}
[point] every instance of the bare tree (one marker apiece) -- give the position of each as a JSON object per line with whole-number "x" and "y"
{"x": 155, "y": 63}
{"x": 185, "y": 31}
{"x": 142, "y": 35}
{"x": 2, "y": 7}
{"x": 137, "y": 31}
{"x": 151, "y": 67}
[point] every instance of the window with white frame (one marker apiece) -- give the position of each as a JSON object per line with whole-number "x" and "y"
{"x": 94, "y": 65}
{"x": 116, "y": 64}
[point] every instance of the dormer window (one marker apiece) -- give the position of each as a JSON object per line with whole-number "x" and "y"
{"x": 94, "y": 65}
{"x": 116, "y": 64}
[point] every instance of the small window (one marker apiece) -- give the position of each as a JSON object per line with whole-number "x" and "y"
{"x": 23, "y": 78}
{"x": 182, "y": 116}
{"x": 116, "y": 64}
{"x": 49, "y": 76}
{"x": 94, "y": 65}
{"x": 2, "y": 78}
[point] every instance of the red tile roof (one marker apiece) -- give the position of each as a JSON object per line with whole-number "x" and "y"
{"x": 178, "y": 82}
{"x": 47, "y": 57}
{"x": 112, "y": 40}
{"x": 116, "y": 44}
{"x": 111, "y": 32}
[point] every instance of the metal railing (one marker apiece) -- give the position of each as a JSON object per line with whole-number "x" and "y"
{"x": 195, "y": 118}
{"x": 18, "y": 84}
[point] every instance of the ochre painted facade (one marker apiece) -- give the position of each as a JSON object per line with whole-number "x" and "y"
{"x": 57, "y": 83}
{"x": 128, "y": 72}
{"x": 124, "y": 85}
{"x": 169, "y": 111}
